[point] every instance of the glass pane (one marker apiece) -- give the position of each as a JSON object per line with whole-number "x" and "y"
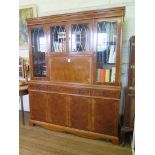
{"x": 106, "y": 51}
{"x": 38, "y": 52}
{"x": 58, "y": 38}
{"x": 80, "y": 37}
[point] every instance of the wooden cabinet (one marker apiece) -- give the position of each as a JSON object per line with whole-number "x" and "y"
{"x": 75, "y": 72}
{"x": 129, "y": 110}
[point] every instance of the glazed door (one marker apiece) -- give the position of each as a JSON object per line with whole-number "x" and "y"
{"x": 80, "y": 112}
{"x": 58, "y": 39}
{"x": 38, "y": 106}
{"x": 105, "y": 116}
{"x": 57, "y": 109}
{"x": 107, "y": 40}
{"x": 38, "y": 49}
{"x": 80, "y": 37}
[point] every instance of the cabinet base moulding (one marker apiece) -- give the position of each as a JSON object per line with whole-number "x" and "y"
{"x": 78, "y": 132}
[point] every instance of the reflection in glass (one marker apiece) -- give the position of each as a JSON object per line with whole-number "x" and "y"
{"x": 38, "y": 51}
{"x": 58, "y": 39}
{"x": 106, "y": 51}
{"x": 79, "y": 37}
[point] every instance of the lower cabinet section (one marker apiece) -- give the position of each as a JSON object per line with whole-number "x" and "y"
{"x": 85, "y": 113}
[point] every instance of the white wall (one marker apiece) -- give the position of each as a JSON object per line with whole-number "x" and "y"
{"x": 49, "y": 7}
{"x": 25, "y": 103}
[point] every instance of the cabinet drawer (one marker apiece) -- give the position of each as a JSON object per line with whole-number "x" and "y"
{"x": 105, "y": 93}
{"x": 69, "y": 90}
{"x": 38, "y": 87}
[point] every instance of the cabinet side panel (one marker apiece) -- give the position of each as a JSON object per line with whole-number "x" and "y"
{"x": 129, "y": 110}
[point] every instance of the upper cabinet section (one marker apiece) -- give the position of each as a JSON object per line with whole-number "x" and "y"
{"x": 82, "y": 47}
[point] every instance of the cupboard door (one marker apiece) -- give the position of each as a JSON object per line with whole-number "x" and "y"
{"x": 58, "y": 37}
{"x": 38, "y": 106}
{"x": 38, "y": 50}
{"x": 73, "y": 69}
{"x": 81, "y": 35}
{"x": 80, "y": 112}
{"x": 106, "y": 51}
{"x": 105, "y": 116}
{"x": 57, "y": 109}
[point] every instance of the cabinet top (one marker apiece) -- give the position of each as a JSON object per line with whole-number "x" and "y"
{"x": 83, "y": 15}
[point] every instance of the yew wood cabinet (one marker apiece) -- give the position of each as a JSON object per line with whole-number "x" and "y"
{"x": 75, "y": 72}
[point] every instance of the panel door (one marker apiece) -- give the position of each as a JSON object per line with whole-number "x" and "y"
{"x": 105, "y": 113}
{"x": 57, "y": 109}
{"x": 71, "y": 69}
{"x": 38, "y": 106}
{"x": 80, "y": 112}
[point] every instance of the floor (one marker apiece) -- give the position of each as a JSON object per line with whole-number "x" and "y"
{"x": 40, "y": 141}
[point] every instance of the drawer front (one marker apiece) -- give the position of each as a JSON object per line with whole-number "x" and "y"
{"x": 59, "y": 89}
{"x": 76, "y": 90}
{"x": 69, "y": 90}
{"x": 42, "y": 87}
{"x": 106, "y": 93}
